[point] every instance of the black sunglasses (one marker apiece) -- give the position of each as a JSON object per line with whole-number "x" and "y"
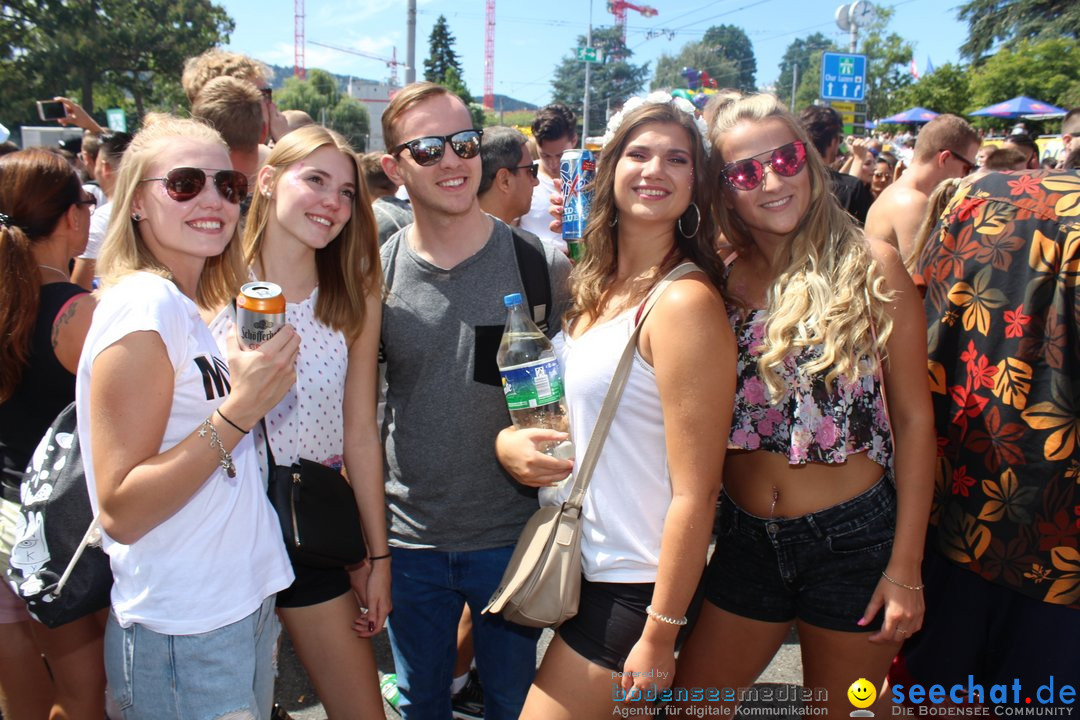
{"x": 185, "y": 183}
{"x": 429, "y": 150}
{"x": 968, "y": 164}
{"x": 533, "y": 169}
{"x": 749, "y": 173}
{"x": 267, "y": 93}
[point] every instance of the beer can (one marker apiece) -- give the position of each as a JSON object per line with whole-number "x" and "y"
{"x": 260, "y": 312}
{"x": 577, "y": 169}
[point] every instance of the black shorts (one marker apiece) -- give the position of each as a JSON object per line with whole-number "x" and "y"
{"x": 822, "y": 568}
{"x": 313, "y": 586}
{"x": 610, "y": 619}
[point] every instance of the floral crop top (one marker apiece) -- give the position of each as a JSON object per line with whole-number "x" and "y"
{"x": 810, "y": 423}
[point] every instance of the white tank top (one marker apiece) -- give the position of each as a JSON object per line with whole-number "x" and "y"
{"x": 630, "y": 491}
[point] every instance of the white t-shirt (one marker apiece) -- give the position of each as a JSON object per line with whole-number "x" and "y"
{"x": 99, "y": 224}
{"x": 538, "y": 219}
{"x": 216, "y": 559}
{"x": 628, "y": 497}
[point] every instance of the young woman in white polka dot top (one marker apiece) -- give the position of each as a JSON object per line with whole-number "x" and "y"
{"x": 311, "y": 231}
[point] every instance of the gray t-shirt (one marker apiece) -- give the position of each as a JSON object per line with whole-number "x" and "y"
{"x": 391, "y": 214}
{"x": 444, "y": 401}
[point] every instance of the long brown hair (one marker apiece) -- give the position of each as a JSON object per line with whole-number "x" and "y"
{"x": 830, "y": 291}
{"x": 124, "y": 250}
{"x": 348, "y": 267}
{"x": 36, "y": 188}
{"x": 593, "y": 274}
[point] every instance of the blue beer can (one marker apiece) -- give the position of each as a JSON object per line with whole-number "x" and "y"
{"x": 577, "y": 169}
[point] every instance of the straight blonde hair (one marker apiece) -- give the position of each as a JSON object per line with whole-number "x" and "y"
{"x": 124, "y": 250}
{"x": 348, "y": 267}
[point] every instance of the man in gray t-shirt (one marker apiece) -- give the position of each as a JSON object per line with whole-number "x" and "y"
{"x": 455, "y": 514}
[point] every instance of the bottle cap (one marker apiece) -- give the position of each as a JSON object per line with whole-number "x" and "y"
{"x": 512, "y": 299}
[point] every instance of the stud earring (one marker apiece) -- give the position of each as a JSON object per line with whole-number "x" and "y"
{"x": 136, "y": 217}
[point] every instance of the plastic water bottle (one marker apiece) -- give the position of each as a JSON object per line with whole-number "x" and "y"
{"x": 389, "y": 689}
{"x": 531, "y": 379}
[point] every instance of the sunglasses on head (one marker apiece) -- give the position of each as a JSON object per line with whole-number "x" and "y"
{"x": 749, "y": 173}
{"x": 429, "y": 150}
{"x": 533, "y": 169}
{"x": 267, "y": 93}
{"x": 184, "y": 183}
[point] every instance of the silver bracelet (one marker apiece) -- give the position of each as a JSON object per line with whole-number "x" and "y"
{"x": 660, "y": 617}
{"x": 227, "y": 463}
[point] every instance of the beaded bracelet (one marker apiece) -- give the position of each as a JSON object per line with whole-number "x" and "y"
{"x": 900, "y": 584}
{"x": 660, "y": 617}
{"x": 227, "y": 463}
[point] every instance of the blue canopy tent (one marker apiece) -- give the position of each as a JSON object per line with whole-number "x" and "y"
{"x": 917, "y": 115}
{"x": 1021, "y": 107}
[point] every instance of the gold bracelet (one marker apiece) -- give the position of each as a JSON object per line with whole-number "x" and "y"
{"x": 660, "y": 617}
{"x": 900, "y": 584}
{"x": 227, "y": 463}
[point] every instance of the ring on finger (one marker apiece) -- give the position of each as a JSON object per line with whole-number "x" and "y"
{"x": 364, "y": 610}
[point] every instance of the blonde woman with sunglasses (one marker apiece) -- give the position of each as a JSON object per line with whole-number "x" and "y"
{"x": 311, "y": 230}
{"x": 195, "y": 548}
{"x": 822, "y": 517}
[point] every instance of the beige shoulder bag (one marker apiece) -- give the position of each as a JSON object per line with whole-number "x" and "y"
{"x": 542, "y": 582}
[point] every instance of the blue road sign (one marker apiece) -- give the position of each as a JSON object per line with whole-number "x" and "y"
{"x": 843, "y": 77}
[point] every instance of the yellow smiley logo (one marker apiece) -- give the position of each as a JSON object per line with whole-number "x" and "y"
{"x": 861, "y": 693}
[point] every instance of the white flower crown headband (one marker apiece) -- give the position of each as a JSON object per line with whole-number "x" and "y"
{"x": 658, "y": 97}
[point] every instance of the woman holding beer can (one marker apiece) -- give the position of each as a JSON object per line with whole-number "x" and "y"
{"x": 311, "y": 231}
{"x": 195, "y": 547}
{"x": 648, "y": 510}
{"x": 823, "y": 514}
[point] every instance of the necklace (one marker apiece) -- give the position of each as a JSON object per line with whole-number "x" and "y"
{"x": 54, "y": 269}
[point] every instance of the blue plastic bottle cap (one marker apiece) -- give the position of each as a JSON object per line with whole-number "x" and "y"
{"x": 512, "y": 299}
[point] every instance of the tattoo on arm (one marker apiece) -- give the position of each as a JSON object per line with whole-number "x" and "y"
{"x": 62, "y": 321}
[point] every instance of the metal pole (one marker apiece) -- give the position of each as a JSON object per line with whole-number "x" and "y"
{"x": 854, "y": 35}
{"x": 588, "y": 78}
{"x": 410, "y": 46}
{"x": 794, "y": 85}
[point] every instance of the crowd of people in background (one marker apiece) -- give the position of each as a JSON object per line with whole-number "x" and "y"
{"x": 852, "y": 412}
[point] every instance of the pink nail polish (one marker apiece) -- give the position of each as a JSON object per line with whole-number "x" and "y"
{"x": 371, "y": 626}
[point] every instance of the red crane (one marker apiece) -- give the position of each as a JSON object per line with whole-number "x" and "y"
{"x": 618, "y": 8}
{"x": 489, "y": 57}
{"x": 299, "y": 66}
{"x": 391, "y": 62}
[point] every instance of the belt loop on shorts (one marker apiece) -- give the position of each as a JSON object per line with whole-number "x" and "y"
{"x": 814, "y": 526}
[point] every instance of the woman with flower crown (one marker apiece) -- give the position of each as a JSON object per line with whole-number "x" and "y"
{"x": 826, "y": 488}
{"x": 648, "y": 511}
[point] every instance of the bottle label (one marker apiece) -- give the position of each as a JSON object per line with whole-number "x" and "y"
{"x": 532, "y": 385}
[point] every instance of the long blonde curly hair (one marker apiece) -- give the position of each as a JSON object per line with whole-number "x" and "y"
{"x": 830, "y": 293}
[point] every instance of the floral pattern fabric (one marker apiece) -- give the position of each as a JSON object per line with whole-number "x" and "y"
{"x": 811, "y": 422}
{"x": 1001, "y": 272}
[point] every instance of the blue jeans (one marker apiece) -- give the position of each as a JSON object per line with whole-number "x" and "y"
{"x": 430, "y": 589}
{"x": 225, "y": 672}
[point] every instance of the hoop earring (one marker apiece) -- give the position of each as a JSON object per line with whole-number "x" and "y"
{"x": 614, "y": 220}
{"x": 697, "y": 225}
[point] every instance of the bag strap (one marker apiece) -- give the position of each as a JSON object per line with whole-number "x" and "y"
{"x": 535, "y": 277}
{"x": 618, "y": 381}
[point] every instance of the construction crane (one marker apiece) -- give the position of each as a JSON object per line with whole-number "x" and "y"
{"x": 299, "y": 65}
{"x": 618, "y": 8}
{"x": 391, "y": 62}
{"x": 489, "y": 57}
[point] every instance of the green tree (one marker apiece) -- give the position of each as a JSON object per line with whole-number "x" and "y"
{"x": 613, "y": 81}
{"x": 456, "y": 85}
{"x": 1012, "y": 21}
{"x": 888, "y": 57}
{"x": 804, "y": 53}
{"x": 50, "y": 47}
{"x": 442, "y": 57}
{"x": 1047, "y": 70}
{"x": 732, "y": 44}
{"x": 320, "y": 96}
{"x": 695, "y": 55}
{"x": 946, "y": 90}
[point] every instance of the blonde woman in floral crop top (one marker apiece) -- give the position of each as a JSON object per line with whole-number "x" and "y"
{"x": 822, "y": 519}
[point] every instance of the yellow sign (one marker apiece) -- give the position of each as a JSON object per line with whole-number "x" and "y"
{"x": 842, "y": 107}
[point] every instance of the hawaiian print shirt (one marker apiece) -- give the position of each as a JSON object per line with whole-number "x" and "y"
{"x": 811, "y": 422}
{"x": 1001, "y": 272}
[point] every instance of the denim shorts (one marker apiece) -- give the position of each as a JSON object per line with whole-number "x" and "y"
{"x": 821, "y": 568}
{"x": 228, "y": 672}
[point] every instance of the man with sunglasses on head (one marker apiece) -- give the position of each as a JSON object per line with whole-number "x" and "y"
{"x": 944, "y": 149}
{"x": 509, "y": 174}
{"x": 455, "y": 514}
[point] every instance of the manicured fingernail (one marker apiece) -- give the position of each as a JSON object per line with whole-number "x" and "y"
{"x": 862, "y": 621}
{"x": 371, "y": 627}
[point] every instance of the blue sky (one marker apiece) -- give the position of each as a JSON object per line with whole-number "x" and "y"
{"x": 532, "y": 37}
